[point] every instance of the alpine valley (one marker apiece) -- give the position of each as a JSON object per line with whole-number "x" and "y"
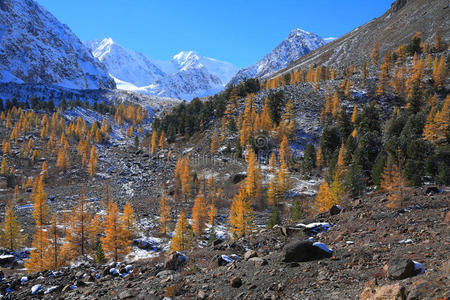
{"x": 320, "y": 171}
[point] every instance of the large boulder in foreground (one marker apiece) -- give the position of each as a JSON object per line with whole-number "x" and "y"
{"x": 301, "y": 251}
{"x": 400, "y": 268}
{"x": 175, "y": 261}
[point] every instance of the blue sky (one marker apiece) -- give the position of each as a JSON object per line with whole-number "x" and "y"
{"x": 238, "y": 31}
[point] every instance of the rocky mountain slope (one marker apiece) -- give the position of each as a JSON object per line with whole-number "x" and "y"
{"x": 395, "y": 27}
{"x": 187, "y": 75}
{"x": 36, "y": 48}
{"x": 297, "y": 44}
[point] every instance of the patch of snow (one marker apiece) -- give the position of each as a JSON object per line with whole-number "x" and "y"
{"x": 323, "y": 247}
{"x": 36, "y": 289}
{"x": 419, "y": 267}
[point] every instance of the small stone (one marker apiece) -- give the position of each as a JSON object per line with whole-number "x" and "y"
{"x": 249, "y": 254}
{"x": 235, "y": 282}
{"x": 394, "y": 291}
{"x": 127, "y": 294}
{"x": 258, "y": 261}
{"x": 201, "y": 295}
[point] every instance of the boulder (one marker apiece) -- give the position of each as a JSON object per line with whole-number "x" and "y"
{"x": 175, "y": 261}
{"x": 249, "y": 254}
{"x": 392, "y": 292}
{"x": 400, "y": 268}
{"x": 300, "y": 251}
{"x": 235, "y": 282}
{"x": 258, "y": 261}
{"x": 335, "y": 210}
{"x": 238, "y": 178}
{"x": 6, "y": 260}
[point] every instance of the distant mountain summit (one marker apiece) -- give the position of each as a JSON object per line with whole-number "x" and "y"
{"x": 186, "y": 76}
{"x": 297, "y": 44}
{"x": 36, "y": 48}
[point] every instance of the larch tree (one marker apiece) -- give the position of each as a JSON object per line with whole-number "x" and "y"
{"x": 94, "y": 231}
{"x": 162, "y": 144}
{"x": 323, "y": 199}
{"x": 4, "y": 170}
{"x": 273, "y": 195}
{"x": 375, "y": 54}
{"x": 128, "y": 221}
{"x": 52, "y": 256}
{"x": 77, "y": 235}
{"x": 241, "y": 214}
{"x": 394, "y": 183}
{"x": 212, "y": 212}
{"x": 285, "y": 151}
{"x": 319, "y": 158}
{"x": 199, "y": 214}
{"x": 12, "y": 238}
{"x": 272, "y": 163}
{"x": 115, "y": 242}
{"x": 182, "y": 240}
{"x": 154, "y": 143}
{"x": 61, "y": 161}
{"x": 164, "y": 212}
{"x": 37, "y": 261}
{"x": 284, "y": 179}
{"x": 440, "y": 73}
{"x": 214, "y": 143}
{"x": 253, "y": 181}
{"x": 92, "y": 165}
{"x": 41, "y": 211}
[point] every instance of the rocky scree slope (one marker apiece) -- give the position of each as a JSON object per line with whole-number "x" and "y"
{"x": 36, "y": 48}
{"x": 376, "y": 252}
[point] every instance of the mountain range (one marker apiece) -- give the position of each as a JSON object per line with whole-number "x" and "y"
{"x": 36, "y": 48}
{"x": 187, "y": 75}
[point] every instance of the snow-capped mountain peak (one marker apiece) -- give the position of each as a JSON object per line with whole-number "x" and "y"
{"x": 36, "y": 48}
{"x": 187, "y": 75}
{"x": 298, "y": 43}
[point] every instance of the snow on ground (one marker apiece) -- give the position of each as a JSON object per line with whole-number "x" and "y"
{"x": 306, "y": 187}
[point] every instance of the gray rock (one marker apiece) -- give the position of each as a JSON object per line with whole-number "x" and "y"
{"x": 300, "y": 251}
{"x": 400, "y": 268}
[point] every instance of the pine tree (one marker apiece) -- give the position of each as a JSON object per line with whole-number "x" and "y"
{"x": 92, "y": 165}
{"x": 41, "y": 211}
{"x": 128, "y": 220}
{"x": 199, "y": 214}
{"x": 274, "y": 218}
{"x": 182, "y": 240}
{"x": 12, "y": 238}
{"x": 214, "y": 142}
{"x": 323, "y": 199}
{"x": 164, "y": 213}
{"x": 115, "y": 243}
{"x": 37, "y": 261}
{"x": 296, "y": 212}
{"x": 99, "y": 253}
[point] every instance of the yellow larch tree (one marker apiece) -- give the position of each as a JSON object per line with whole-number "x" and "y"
{"x": 115, "y": 243}
{"x": 437, "y": 127}
{"x": 323, "y": 199}
{"x": 162, "y": 144}
{"x": 182, "y": 239}
{"x": 212, "y": 212}
{"x": 94, "y": 231}
{"x": 272, "y": 163}
{"x": 41, "y": 211}
{"x": 61, "y": 161}
{"x": 37, "y": 261}
{"x": 394, "y": 183}
{"x": 52, "y": 255}
{"x": 128, "y": 221}
{"x": 12, "y": 238}
{"x": 4, "y": 170}
{"x": 319, "y": 157}
{"x": 199, "y": 214}
{"x": 6, "y": 147}
{"x": 284, "y": 179}
{"x": 92, "y": 165}
{"x": 273, "y": 195}
{"x": 154, "y": 143}
{"x": 214, "y": 143}
{"x": 253, "y": 181}
{"x": 285, "y": 151}
{"x": 375, "y": 54}
{"x": 164, "y": 212}
{"x": 241, "y": 214}
{"x": 77, "y": 235}
{"x": 440, "y": 73}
